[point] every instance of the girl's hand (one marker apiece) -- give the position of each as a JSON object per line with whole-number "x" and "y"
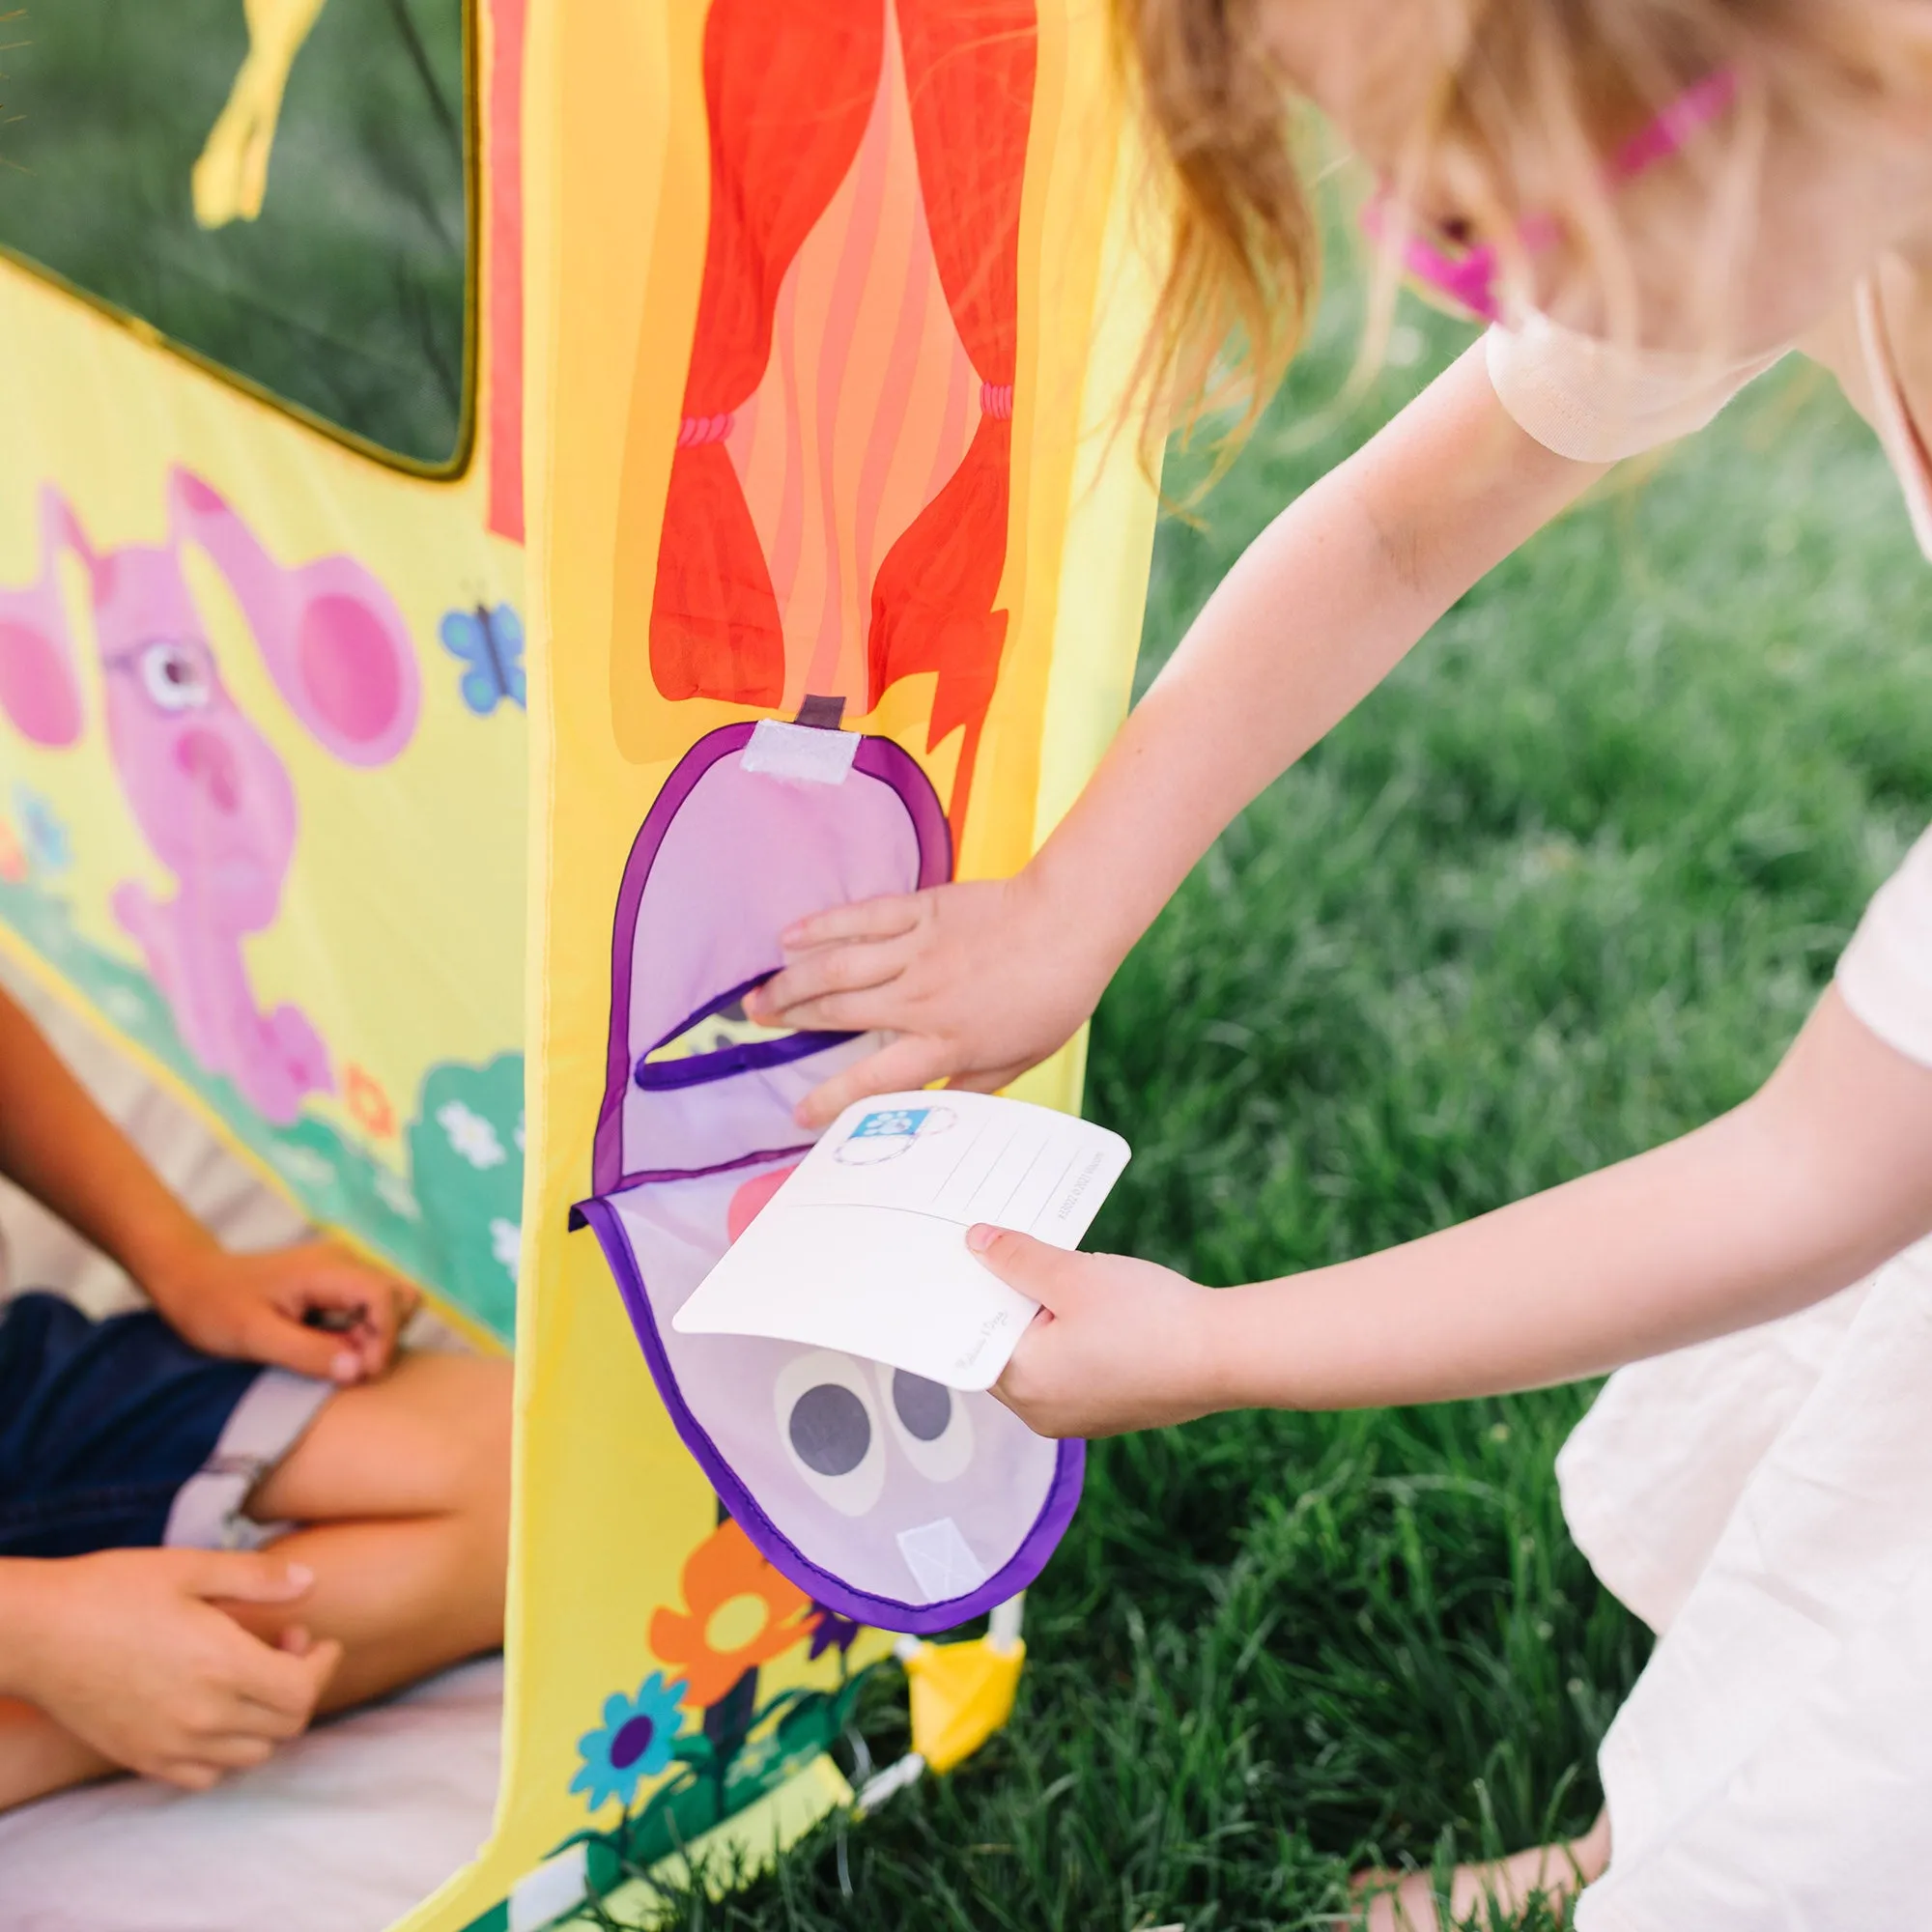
{"x": 314, "y": 1308}
{"x": 1117, "y": 1345}
{"x": 128, "y": 1651}
{"x": 980, "y": 982}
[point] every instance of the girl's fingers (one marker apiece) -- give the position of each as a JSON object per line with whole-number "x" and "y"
{"x": 285, "y": 1709}
{"x": 808, "y": 992}
{"x": 1048, "y": 1275}
{"x": 274, "y": 1727}
{"x": 869, "y": 919}
{"x": 988, "y": 1080}
{"x": 244, "y": 1577}
{"x": 268, "y": 1335}
{"x": 378, "y": 1302}
{"x": 232, "y": 1751}
{"x": 263, "y": 1680}
{"x": 319, "y": 1659}
{"x": 905, "y": 1066}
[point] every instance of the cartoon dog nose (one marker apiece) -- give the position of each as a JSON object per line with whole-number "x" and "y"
{"x": 208, "y": 762}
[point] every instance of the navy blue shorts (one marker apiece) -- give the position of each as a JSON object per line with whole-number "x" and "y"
{"x": 105, "y": 1425}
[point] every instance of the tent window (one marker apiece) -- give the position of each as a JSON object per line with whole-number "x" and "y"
{"x": 134, "y": 170}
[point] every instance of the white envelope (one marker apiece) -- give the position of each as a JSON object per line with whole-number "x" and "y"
{"x": 864, "y": 1247}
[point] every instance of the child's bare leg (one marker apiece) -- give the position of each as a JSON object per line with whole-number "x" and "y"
{"x": 403, "y": 1488}
{"x": 404, "y": 1598}
{"x": 431, "y": 1438}
{"x": 1497, "y": 1889}
{"x": 37, "y": 1756}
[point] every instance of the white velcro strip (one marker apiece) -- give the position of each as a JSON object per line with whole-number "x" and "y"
{"x": 800, "y": 752}
{"x": 940, "y": 1564}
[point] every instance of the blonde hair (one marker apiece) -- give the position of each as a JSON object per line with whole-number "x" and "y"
{"x": 1528, "y": 100}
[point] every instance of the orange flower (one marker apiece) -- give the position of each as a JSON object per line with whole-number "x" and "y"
{"x": 739, "y": 1612}
{"x": 368, "y": 1102}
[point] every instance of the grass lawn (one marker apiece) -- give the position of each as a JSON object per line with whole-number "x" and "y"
{"x": 1561, "y": 889}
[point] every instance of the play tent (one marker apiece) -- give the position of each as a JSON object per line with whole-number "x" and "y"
{"x": 502, "y": 508}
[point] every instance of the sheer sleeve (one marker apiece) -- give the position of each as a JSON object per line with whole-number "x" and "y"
{"x": 1598, "y": 402}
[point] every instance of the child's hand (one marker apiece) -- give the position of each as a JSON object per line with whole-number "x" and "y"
{"x": 1118, "y": 1344}
{"x": 978, "y": 981}
{"x": 126, "y": 1650}
{"x": 265, "y": 1307}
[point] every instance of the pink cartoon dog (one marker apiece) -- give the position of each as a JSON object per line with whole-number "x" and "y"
{"x": 211, "y": 796}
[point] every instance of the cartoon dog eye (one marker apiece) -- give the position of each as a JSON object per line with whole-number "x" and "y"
{"x": 829, "y": 1423}
{"x": 931, "y": 1424}
{"x": 172, "y": 678}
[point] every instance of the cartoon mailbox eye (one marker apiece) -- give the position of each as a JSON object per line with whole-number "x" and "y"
{"x": 829, "y": 1421}
{"x": 932, "y": 1426}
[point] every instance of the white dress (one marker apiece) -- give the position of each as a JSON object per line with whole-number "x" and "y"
{"x": 1764, "y": 1501}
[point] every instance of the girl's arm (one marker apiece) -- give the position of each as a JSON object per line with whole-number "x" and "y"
{"x": 1822, "y": 1175}
{"x": 58, "y": 1145}
{"x": 983, "y": 980}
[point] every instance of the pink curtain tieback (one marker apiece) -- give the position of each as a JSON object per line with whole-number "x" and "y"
{"x": 694, "y": 430}
{"x": 996, "y": 399}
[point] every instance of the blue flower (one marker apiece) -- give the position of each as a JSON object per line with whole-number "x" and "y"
{"x": 46, "y": 836}
{"x": 633, "y": 1743}
{"x": 830, "y": 1631}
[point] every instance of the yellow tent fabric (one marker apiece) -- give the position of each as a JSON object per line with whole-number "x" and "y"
{"x": 264, "y": 753}
{"x": 799, "y": 451}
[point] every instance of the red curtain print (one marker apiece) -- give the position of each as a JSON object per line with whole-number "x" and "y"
{"x": 970, "y": 77}
{"x": 789, "y": 87}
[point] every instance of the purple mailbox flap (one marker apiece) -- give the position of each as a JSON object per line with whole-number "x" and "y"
{"x": 757, "y": 827}
{"x": 888, "y": 1497}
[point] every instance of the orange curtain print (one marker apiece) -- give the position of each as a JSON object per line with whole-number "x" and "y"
{"x": 788, "y": 89}
{"x": 970, "y": 67}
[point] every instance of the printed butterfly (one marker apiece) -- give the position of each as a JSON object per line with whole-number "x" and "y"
{"x": 490, "y": 642}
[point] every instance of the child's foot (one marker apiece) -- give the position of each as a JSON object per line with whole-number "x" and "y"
{"x": 1492, "y": 1892}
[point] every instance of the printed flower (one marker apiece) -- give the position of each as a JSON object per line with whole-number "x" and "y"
{"x": 470, "y": 1135}
{"x": 13, "y": 866}
{"x": 397, "y": 1194}
{"x": 368, "y": 1104}
{"x": 830, "y": 1630}
{"x": 124, "y": 1007}
{"x": 633, "y": 1743}
{"x": 304, "y": 1165}
{"x": 46, "y": 836}
{"x": 738, "y": 1612}
{"x": 506, "y": 1243}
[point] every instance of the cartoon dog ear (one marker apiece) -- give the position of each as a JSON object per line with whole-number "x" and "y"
{"x": 38, "y": 687}
{"x": 331, "y": 636}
